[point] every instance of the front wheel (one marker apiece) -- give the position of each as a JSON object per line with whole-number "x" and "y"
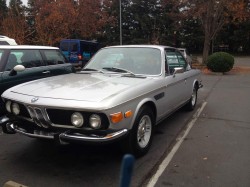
{"x": 140, "y": 137}
{"x": 193, "y": 100}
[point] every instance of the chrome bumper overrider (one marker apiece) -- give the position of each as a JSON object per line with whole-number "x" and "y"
{"x": 3, "y": 120}
{"x": 69, "y": 136}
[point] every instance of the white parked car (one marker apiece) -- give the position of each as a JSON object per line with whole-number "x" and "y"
{"x": 121, "y": 94}
{"x": 4, "y": 40}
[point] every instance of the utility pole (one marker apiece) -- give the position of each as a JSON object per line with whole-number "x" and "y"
{"x": 120, "y": 22}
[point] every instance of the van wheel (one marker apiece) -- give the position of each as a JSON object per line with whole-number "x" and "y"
{"x": 139, "y": 139}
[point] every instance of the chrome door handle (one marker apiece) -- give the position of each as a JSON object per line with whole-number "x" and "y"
{"x": 46, "y": 72}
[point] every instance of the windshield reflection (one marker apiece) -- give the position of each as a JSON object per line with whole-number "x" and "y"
{"x": 141, "y": 61}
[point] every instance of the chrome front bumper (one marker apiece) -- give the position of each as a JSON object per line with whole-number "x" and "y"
{"x": 68, "y": 136}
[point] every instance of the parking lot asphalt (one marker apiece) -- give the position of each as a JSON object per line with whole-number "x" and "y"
{"x": 216, "y": 151}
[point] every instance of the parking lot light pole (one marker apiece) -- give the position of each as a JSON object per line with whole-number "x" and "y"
{"x": 120, "y": 22}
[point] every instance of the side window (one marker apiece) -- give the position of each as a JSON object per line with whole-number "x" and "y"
{"x": 175, "y": 59}
{"x": 1, "y": 53}
{"x": 4, "y": 43}
{"x": 172, "y": 61}
{"x": 73, "y": 46}
{"x": 11, "y": 62}
{"x": 29, "y": 58}
{"x": 53, "y": 57}
{"x": 181, "y": 59}
{"x": 166, "y": 64}
{"x": 64, "y": 46}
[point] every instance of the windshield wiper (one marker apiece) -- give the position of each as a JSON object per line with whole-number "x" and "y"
{"x": 119, "y": 70}
{"x": 90, "y": 69}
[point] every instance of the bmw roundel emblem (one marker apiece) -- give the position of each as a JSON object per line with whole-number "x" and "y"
{"x": 34, "y": 99}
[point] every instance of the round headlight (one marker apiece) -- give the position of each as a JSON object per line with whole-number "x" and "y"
{"x": 95, "y": 121}
{"x": 15, "y": 108}
{"x": 8, "y": 105}
{"x": 77, "y": 119}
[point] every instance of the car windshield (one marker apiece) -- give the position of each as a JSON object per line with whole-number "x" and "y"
{"x": 136, "y": 60}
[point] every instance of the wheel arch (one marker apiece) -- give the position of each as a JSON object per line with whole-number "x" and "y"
{"x": 146, "y": 103}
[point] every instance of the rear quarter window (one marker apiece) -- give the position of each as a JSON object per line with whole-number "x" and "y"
{"x": 53, "y": 57}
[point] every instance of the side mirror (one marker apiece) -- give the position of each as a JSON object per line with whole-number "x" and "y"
{"x": 17, "y": 68}
{"x": 178, "y": 70}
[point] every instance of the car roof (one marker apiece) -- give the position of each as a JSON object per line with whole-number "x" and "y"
{"x": 143, "y": 46}
{"x": 9, "y": 41}
{"x": 26, "y": 47}
{"x": 181, "y": 48}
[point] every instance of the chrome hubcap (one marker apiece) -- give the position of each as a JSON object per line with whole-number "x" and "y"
{"x": 194, "y": 97}
{"x": 144, "y": 131}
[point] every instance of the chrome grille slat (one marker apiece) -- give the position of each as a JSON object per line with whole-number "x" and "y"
{"x": 38, "y": 116}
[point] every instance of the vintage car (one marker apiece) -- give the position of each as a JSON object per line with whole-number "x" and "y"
{"x": 121, "y": 94}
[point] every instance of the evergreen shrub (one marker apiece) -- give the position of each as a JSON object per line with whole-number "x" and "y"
{"x": 220, "y": 62}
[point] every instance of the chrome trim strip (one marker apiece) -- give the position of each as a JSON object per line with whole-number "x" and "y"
{"x": 64, "y": 137}
{"x": 94, "y": 138}
{"x": 22, "y": 131}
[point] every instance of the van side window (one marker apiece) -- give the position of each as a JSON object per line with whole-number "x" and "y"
{"x": 73, "y": 46}
{"x": 53, "y": 57}
{"x": 64, "y": 46}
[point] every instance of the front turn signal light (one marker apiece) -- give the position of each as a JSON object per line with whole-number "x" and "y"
{"x": 128, "y": 114}
{"x": 116, "y": 117}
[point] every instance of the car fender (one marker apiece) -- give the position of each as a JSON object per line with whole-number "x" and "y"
{"x": 140, "y": 105}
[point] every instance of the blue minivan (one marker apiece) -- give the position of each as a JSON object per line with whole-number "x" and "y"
{"x": 77, "y": 51}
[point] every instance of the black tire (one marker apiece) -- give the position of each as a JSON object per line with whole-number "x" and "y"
{"x": 139, "y": 138}
{"x": 193, "y": 100}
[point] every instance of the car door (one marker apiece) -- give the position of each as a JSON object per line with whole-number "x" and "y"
{"x": 187, "y": 75}
{"x": 174, "y": 83}
{"x": 31, "y": 59}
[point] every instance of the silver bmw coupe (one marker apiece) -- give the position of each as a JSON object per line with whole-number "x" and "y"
{"x": 120, "y": 95}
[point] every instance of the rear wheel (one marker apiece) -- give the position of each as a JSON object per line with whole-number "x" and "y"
{"x": 192, "y": 102}
{"x": 140, "y": 137}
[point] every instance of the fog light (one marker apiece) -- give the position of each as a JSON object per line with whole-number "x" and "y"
{"x": 95, "y": 121}
{"x": 77, "y": 119}
{"x": 8, "y": 105}
{"x": 15, "y": 109}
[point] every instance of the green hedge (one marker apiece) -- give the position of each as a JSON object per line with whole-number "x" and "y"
{"x": 220, "y": 62}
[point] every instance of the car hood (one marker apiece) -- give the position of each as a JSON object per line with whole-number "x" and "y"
{"x": 93, "y": 87}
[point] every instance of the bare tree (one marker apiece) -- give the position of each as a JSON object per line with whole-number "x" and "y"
{"x": 214, "y": 14}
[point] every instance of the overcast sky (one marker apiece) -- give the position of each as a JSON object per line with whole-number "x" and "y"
{"x": 24, "y": 2}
